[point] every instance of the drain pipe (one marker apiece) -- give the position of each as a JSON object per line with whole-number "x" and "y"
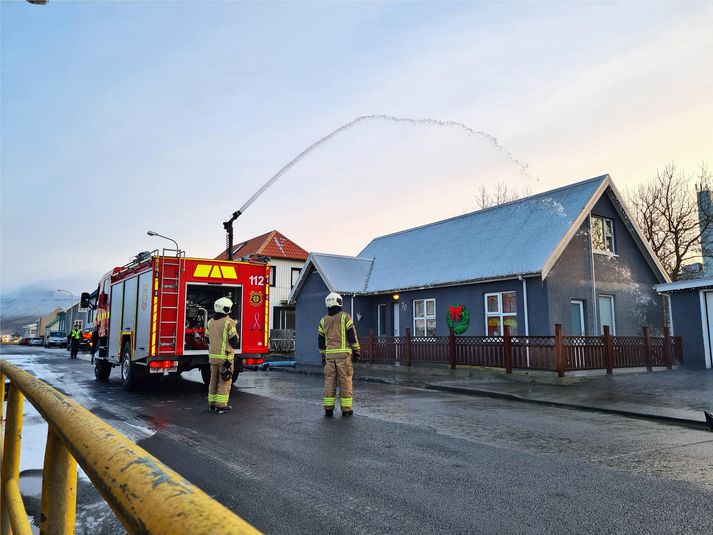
{"x": 527, "y": 322}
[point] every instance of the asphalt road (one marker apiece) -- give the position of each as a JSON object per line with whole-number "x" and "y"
{"x": 409, "y": 461}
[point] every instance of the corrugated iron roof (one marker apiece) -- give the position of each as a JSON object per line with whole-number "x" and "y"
{"x": 273, "y": 244}
{"x": 505, "y": 240}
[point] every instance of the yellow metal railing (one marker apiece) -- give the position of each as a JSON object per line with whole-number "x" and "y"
{"x": 145, "y": 495}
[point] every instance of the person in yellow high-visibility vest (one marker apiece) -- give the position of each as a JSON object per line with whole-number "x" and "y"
{"x": 223, "y": 339}
{"x": 338, "y": 344}
{"x": 74, "y": 338}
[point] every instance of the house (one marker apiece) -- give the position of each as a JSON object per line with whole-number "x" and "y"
{"x": 571, "y": 256}
{"x": 286, "y": 261}
{"x": 691, "y": 317}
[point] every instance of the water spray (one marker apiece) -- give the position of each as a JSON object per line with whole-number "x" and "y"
{"x": 522, "y": 166}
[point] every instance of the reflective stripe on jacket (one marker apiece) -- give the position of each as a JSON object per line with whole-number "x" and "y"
{"x": 76, "y": 333}
{"x": 219, "y": 332}
{"x": 337, "y": 335}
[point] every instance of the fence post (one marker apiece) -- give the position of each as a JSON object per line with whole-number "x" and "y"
{"x": 608, "y": 350}
{"x": 507, "y": 349}
{"x": 452, "y": 348}
{"x": 667, "y": 348}
{"x": 371, "y": 346}
{"x": 647, "y": 348}
{"x": 407, "y": 349}
{"x": 559, "y": 350}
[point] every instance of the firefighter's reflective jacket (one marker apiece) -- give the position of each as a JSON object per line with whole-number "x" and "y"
{"x": 337, "y": 336}
{"x": 76, "y": 334}
{"x": 222, "y": 338}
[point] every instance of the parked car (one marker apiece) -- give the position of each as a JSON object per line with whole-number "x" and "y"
{"x": 36, "y": 342}
{"x": 24, "y": 342}
{"x": 56, "y": 339}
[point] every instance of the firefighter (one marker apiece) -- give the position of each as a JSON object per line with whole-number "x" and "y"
{"x": 222, "y": 337}
{"x": 74, "y": 338}
{"x": 338, "y": 345}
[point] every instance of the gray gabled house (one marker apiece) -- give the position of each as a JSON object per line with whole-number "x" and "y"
{"x": 572, "y": 256}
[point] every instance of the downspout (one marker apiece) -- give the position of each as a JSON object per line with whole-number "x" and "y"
{"x": 594, "y": 279}
{"x": 527, "y": 314}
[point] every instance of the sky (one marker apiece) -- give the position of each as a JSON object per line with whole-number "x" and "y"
{"x": 123, "y": 117}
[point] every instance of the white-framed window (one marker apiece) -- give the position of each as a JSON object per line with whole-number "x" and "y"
{"x": 603, "y": 234}
{"x": 606, "y": 314}
{"x": 294, "y": 275}
{"x": 424, "y": 317}
{"x": 273, "y": 276}
{"x": 576, "y": 311}
{"x": 381, "y": 320}
{"x": 500, "y": 309}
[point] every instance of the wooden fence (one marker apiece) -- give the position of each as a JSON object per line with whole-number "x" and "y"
{"x": 555, "y": 353}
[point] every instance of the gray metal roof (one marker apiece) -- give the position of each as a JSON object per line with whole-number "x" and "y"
{"x": 523, "y": 237}
{"x": 505, "y": 240}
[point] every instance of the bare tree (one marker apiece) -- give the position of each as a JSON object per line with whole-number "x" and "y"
{"x": 485, "y": 198}
{"x": 666, "y": 210}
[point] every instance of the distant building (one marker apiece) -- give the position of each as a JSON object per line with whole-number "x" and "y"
{"x": 286, "y": 260}
{"x": 571, "y": 256}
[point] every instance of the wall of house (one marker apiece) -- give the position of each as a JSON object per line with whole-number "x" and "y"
{"x": 625, "y": 275}
{"x": 309, "y": 309}
{"x": 688, "y": 324}
{"x": 471, "y": 296}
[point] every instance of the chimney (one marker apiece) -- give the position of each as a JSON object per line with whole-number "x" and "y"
{"x": 705, "y": 220}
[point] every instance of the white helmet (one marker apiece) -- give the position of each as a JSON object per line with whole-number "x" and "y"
{"x": 223, "y": 305}
{"x": 333, "y": 300}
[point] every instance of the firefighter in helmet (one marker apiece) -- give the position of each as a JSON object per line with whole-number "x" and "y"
{"x": 222, "y": 337}
{"x": 74, "y": 338}
{"x": 338, "y": 344}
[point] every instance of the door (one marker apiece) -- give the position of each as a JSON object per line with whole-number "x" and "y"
{"x": 707, "y": 321}
{"x": 381, "y": 323}
{"x": 396, "y": 331}
{"x": 606, "y": 314}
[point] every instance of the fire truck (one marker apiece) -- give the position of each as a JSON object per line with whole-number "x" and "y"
{"x": 151, "y": 314}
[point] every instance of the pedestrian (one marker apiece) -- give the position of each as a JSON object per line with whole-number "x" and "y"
{"x": 222, "y": 337}
{"x": 338, "y": 345}
{"x": 74, "y": 337}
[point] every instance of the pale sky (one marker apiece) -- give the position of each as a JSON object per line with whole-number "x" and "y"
{"x": 120, "y": 117}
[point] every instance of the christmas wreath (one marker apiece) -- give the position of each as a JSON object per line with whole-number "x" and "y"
{"x": 458, "y": 317}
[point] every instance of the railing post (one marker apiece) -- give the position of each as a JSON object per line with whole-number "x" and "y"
{"x": 647, "y": 348}
{"x": 407, "y": 348}
{"x": 371, "y": 346}
{"x": 667, "y": 348}
{"x": 559, "y": 350}
{"x": 11, "y": 460}
{"x": 608, "y": 350}
{"x": 59, "y": 488}
{"x": 452, "y": 348}
{"x": 507, "y": 349}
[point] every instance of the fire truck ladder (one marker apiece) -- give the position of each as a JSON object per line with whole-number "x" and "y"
{"x": 171, "y": 265}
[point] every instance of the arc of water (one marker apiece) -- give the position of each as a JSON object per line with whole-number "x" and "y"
{"x": 522, "y": 166}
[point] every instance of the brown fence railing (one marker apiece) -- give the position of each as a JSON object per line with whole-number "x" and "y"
{"x": 555, "y": 353}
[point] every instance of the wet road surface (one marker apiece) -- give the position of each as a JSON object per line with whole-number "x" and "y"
{"x": 409, "y": 461}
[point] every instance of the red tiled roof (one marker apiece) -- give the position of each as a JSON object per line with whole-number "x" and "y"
{"x": 272, "y": 244}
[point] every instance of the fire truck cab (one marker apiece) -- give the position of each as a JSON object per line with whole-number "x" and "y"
{"x": 151, "y": 314}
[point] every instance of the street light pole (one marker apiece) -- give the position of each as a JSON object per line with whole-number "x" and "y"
{"x": 71, "y": 307}
{"x": 152, "y": 233}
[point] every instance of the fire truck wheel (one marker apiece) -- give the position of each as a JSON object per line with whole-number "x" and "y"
{"x": 102, "y": 369}
{"x": 235, "y": 376}
{"x": 128, "y": 369}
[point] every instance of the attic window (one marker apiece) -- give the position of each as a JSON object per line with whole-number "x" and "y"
{"x": 602, "y": 234}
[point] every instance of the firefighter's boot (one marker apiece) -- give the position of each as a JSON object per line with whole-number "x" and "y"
{"x": 329, "y": 412}
{"x": 348, "y": 413}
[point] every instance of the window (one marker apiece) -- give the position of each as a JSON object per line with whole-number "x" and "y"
{"x": 602, "y": 234}
{"x": 294, "y": 275}
{"x": 500, "y": 309}
{"x": 606, "y": 314}
{"x": 273, "y": 276}
{"x": 381, "y": 324}
{"x": 424, "y": 317}
{"x": 576, "y": 310}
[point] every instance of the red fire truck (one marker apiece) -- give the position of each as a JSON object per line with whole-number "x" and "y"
{"x": 151, "y": 314}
